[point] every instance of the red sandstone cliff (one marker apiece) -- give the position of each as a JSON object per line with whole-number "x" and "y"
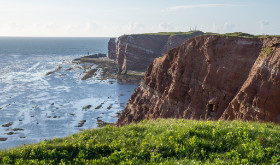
{"x": 211, "y": 77}
{"x": 136, "y": 52}
{"x": 112, "y": 48}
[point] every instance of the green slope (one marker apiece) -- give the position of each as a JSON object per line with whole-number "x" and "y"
{"x": 174, "y": 33}
{"x": 234, "y": 34}
{"x": 166, "y": 141}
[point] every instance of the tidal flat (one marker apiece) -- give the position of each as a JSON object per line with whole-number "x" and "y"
{"x": 45, "y": 97}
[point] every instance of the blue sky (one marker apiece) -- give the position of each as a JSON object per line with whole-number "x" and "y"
{"x": 108, "y": 18}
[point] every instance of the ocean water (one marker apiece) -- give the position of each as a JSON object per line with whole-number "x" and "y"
{"x": 35, "y": 106}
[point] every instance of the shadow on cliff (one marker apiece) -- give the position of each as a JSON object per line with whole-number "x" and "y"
{"x": 211, "y": 77}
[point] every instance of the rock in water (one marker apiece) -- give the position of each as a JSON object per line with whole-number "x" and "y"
{"x": 211, "y": 77}
{"x": 112, "y": 48}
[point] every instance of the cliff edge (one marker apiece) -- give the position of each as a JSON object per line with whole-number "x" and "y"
{"x": 135, "y": 52}
{"x": 211, "y": 77}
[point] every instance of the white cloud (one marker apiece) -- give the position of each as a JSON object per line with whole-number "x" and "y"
{"x": 165, "y": 27}
{"x": 51, "y": 29}
{"x": 175, "y": 8}
{"x": 263, "y": 24}
{"x": 132, "y": 27}
{"x": 91, "y": 26}
{"x": 224, "y": 28}
{"x": 228, "y": 26}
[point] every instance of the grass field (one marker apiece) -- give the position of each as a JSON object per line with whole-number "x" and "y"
{"x": 162, "y": 141}
{"x": 168, "y": 33}
{"x": 240, "y": 34}
{"x": 234, "y": 34}
{"x": 174, "y": 33}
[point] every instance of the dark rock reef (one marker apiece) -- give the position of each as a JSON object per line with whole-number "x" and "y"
{"x": 209, "y": 77}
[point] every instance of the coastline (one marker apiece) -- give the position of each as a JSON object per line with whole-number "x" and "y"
{"x": 43, "y": 94}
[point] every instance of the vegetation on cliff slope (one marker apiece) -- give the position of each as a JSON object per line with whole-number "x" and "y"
{"x": 241, "y": 34}
{"x": 166, "y": 141}
{"x": 173, "y": 33}
{"x": 234, "y": 34}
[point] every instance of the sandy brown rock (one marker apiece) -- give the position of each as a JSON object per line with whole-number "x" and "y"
{"x": 210, "y": 78}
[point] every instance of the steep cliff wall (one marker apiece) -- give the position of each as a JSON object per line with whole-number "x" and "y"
{"x": 136, "y": 52}
{"x": 112, "y": 48}
{"x": 259, "y": 96}
{"x": 211, "y": 77}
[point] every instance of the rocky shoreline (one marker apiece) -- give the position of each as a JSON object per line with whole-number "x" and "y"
{"x": 108, "y": 70}
{"x": 183, "y": 83}
{"x": 64, "y": 96}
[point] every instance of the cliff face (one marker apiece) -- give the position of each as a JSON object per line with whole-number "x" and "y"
{"x": 136, "y": 52}
{"x": 211, "y": 78}
{"x": 112, "y": 48}
{"x": 259, "y": 96}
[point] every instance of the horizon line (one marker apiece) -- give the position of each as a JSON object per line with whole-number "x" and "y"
{"x": 58, "y": 36}
{"x": 123, "y": 34}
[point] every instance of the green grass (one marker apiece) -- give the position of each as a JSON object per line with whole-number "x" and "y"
{"x": 234, "y": 34}
{"x": 243, "y": 35}
{"x": 163, "y": 141}
{"x": 240, "y": 34}
{"x": 266, "y": 36}
{"x": 171, "y": 33}
{"x": 266, "y": 51}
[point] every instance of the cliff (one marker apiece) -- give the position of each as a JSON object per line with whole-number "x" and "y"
{"x": 211, "y": 77}
{"x": 112, "y": 48}
{"x": 137, "y": 51}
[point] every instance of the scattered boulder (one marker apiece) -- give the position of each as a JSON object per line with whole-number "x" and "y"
{"x": 51, "y": 72}
{"x": 8, "y": 124}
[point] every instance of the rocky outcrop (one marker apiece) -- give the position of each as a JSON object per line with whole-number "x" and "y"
{"x": 209, "y": 78}
{"x": 136, "y": 52}
{"x": 112, "y": 48}
{"x": 259, "y": 96}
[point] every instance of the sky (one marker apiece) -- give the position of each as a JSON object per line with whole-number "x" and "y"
{"x": 112, "y": 18}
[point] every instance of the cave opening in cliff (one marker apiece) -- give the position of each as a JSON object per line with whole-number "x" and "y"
{"x": 210, "y": 107}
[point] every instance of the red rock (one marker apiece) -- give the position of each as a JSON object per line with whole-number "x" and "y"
{"x": 112, "y": 48}
{"x": 259, "y": 96}
{"x": 210, "y": 78}
{"x": 136, "y": 52}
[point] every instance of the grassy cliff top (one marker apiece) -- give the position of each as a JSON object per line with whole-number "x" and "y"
{"x": 243, "y": 35}
{"x": 234, "y": 34}
{"x": 170, "y": 33}
{"x": 171, "y": 141}
{"x": 175, "y": 33}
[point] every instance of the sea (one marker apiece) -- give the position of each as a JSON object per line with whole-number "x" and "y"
{"x": 35, "y": 105}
